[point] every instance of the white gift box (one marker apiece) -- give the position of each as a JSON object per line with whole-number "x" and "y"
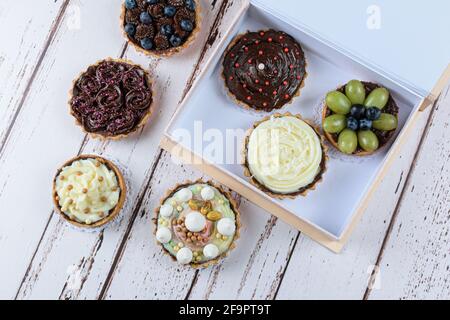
{"x": 207, "y": 128}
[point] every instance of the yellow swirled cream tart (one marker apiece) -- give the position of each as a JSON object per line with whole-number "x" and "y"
{"x": 284, "y": 155}
{"x": 89, "y": 191}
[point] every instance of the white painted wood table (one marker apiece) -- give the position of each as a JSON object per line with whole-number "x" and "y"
{"x": 400, "y": 250}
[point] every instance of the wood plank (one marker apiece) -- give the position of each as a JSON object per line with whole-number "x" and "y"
{"x": 28, "y": 30}
{"x": 91, "y": 259}
{"x": 44, "y": 135}
{"x": 414, "y": 263}
{"x": 315, "y": 273}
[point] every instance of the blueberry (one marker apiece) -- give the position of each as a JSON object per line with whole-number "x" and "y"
{"x": 130, "y": 4}
{"x": 186, "y": 25}
{"x": 145, "y": 18}
{"x": 365, "y": 124}
{"x": 352, "y": 123}
{"x": 152, "y": 1}
{"x": 166, "y": 29}
{"x": 147, "y": 43}
{"x": 130, "y": 29}
{"x": 373, "y": 113}
{"x": 357, "y": 111}
{"x": 170, "y": 11}
{"x": 175, "y": 40}
{"x": 190, "y": 4}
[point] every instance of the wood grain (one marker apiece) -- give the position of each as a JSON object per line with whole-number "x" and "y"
{"x": 414, "y": 263}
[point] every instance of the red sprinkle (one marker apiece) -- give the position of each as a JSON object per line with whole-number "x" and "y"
{"x": 244, "y": 85}
{"x": 246, "y": 48}
{"x": 231, "y": 78}
{"x": 262, "y": 33}
{"x": 275, "y": 93}
{"x": 249, "y": 98}
{"x": 291, "y": 66}
{"x": 267, "y": 83}
{"x": 236, "y": 65}
{"x": 260, "y": 90}
{"x": 261, "y": 52}
{"x": 286, "y": 50}
{"x": 249, "y": 61}
{"x": 286, "y": 96}
{"x": 256, "y": 41}
{"x": 298, "y": 77}
{"x": 285, "y": 83}
{"x": 256, "y": 81}
{"x": 232, "y": 54}
{"x": 270, "y": 39}
{"x": 281, "y": 37}
{"x": 275, "y": 71}
{"x": 265, "y": 104}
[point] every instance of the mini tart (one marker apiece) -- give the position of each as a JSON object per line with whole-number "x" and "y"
{"x": 190, "y": 219}
{"x": 383, "y": 136}
{"x": 264, "y": 70}
{"x": 111, "y": 99}
{"x": 152, "y": 31}
{"x": 317, "y": 164}
{"x": 104, "y": 172}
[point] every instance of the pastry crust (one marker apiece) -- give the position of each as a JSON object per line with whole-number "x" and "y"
{"x": 114, "y": 213}
{"x": 233, "y": 205}
{"x": 359, "y": 152}
{"x": 141, "y": 123}
{"x": 303, "y": 191}
{"x": 242, "y": 103}
{"x": 171, "y": 51}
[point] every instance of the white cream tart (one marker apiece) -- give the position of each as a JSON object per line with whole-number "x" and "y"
{"x": 87, "y": 191}
{"x": 284, "y": 154}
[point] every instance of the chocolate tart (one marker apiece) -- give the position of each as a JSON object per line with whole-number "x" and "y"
{"x": 178, "y": 220}
{"x": 383, "y": 136}
{"x": 111, "y": 99}
{"x": 113, "y": 213}
{"x": 152, "y": 32}
{"x": 264, "y": 70}
{"x": 301, "y": 191}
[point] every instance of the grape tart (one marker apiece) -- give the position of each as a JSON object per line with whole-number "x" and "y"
{"x": 89, "y": 191}
{"x": 197, "y": 223}
{"x": 264, "y": 70}
{"x": 290, "y": 166}
{"x": 366, "y": 120}
{"x": 111, "y": 99}
{"x": 160, "y": 27}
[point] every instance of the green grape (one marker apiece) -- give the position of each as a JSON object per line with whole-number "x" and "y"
{"x": 386, "y": 122}
{"x": 377, "y": 98}
{"x": 335, "y": 123}
{"x": 354, "y": 90}
{"x": 368, "y": 140}
{"x": 347, "y": 141}
{"x": 338, "y": 102}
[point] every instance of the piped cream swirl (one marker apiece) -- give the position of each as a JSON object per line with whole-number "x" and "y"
{"x": 284, "y": 154}
{"x": 87, "y": 190}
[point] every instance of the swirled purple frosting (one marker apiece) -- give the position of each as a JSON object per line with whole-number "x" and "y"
{"x": 111, "y": 98}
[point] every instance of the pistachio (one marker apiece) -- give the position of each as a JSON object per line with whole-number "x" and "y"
{"x": 213, "y": 215}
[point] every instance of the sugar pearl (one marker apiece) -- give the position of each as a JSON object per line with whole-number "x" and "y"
{"x": 226, "y": 226}
{"x": 163, "y": 235}
{"x": 166, "y": 210}
{"x": 184, "y": 255}
{"x": 207, "y": 193}
{"x": 210, "y": 251}
{"x": 195, "y": 221}
{"x": 184, "y": 195}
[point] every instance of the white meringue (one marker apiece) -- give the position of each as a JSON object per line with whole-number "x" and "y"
{"x": 166, "y": 210}
{"x": 184, "y": 195}
{"x": 163, "y": 235}
{"x": 195, "y": 221}
{"x": 207, "y": 193}
{"x": 226, "y": 226}
{"x": 184, "y": 255}
{"x": 210, "y": 251}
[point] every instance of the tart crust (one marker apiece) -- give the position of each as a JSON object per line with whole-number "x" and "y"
{"x": 332, "y": 138}
{"x": 301, "y": 192}
{"x": 168, "y": 52}
{"x": 242, "y": 103}
{"x": 141, "y": 123}
{"x": 233, "y": 205}
{"x": 114, "y": 213}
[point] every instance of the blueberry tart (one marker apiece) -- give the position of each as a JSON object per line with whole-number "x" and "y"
{"x": 197, "y": 223}
{"x": 112, "y": 98}
{"x": 264, "y": 70}
{"x": 284, "y": 156}
{"x": 89, "y": 191}
{"x": 160, "y": 27}
{"x": 359, "y": 118}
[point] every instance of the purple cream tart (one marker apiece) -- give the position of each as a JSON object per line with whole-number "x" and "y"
{"x": 112, "y": 98}
{"x": 264, "y": 70}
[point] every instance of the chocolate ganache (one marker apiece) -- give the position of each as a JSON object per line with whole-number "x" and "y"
{"x": 264, "y": 69}
{"x": 111, "y": 98}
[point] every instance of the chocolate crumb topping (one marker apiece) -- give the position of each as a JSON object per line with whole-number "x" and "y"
{"x": 264, "y": 69}
{"x": 111, "y": 98}
{"x": 149, "y": 22}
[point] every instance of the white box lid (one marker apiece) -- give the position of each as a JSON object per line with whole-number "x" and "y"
{"x": 407, "y": 40}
